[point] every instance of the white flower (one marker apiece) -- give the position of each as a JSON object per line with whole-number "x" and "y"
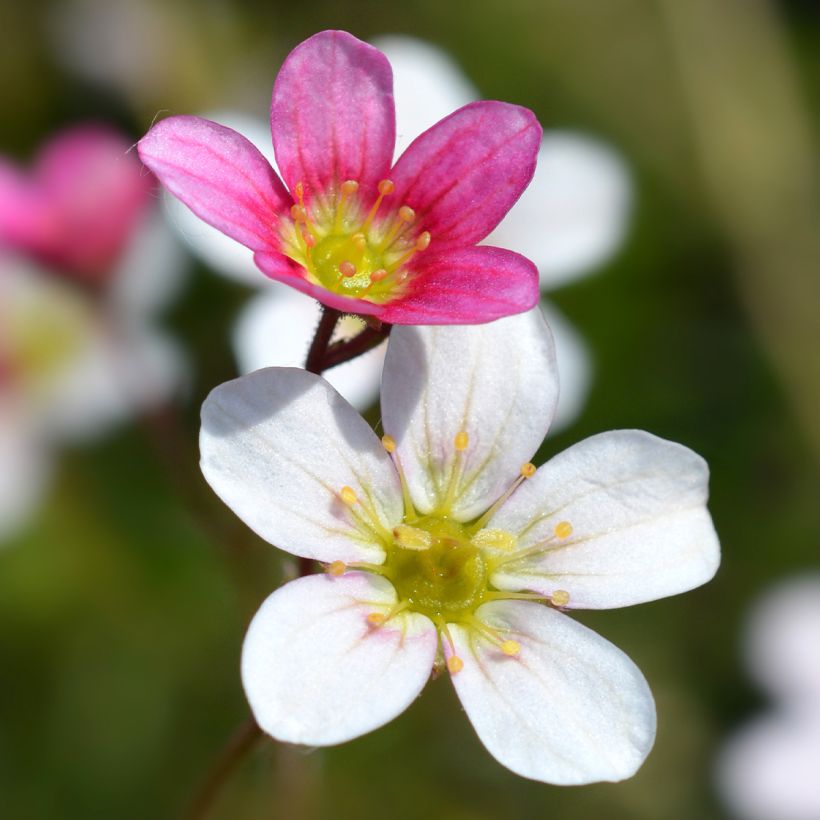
{"x": 769, "y": 769}
{"x": 445, "y": 547}
{"x": 72, "y": 363}
{"x": 571, "y": 219}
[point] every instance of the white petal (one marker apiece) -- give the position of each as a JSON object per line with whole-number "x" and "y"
{"x": 151, "y": 273}
{"x": 221, "y": 253}
{"x": 24, "y": 472}
{"x": 569, "y": 709}
{"x": 276, "y": 328}
{"x": 496, "y": 382}
{"x": 640, "y": 528}
{"x": 574, "y": 214}
{"x": 279, "y": 445}
{"x": 769, "y": 770}
{"x": 783, "y": 640}
{"x": 574, "y": 367}
{"x": 316, "y": 673}
{"x": 427, "y": 85}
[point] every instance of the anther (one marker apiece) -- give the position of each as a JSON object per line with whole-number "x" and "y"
{"x": 378, "y": 275}
{"x": 510, "y": 648}
{"x": 299, "y": 190}
{"x": 349, "y": 186}
{"x": 407, "y": 214}
{"x": 376, "y": 619}
{"x": 347, "y": 269}
{"x": 461, "y": 441}
{"x": 348, "y": 495}
{"x": 386, "y": 187}
{"x": 423, "y": 241}
{"x": 563, "y": 529}
{"x": 494, "y": 539}
{"x": 389, "y": 443}
{"x": 412, "y": 538}
{"x": 560, "y": 597}
{"x": 336, "y": 568}
{"x": 359, "y": 241}
{"x": 454, "y": 664}
{"x": 310, "y": 239}
{"x": 528, "y": 470}
{"x": 299, "y": 213}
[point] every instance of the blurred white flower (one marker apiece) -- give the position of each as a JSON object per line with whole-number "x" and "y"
{"x": 570, "y": 219}
{"x": 78, "y": 349}
{"x": 769, "y": 769}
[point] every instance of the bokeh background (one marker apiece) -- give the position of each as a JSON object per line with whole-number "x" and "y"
{"x": 123, "y": 601}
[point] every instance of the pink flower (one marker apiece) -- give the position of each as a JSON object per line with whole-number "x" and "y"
{"x": 78, "y": 207}
{"x": 397, "y": 243}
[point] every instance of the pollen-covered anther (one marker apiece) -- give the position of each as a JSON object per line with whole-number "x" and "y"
{"x": 385, "y": 187}
{"x": 563, "y": 529}
{"x": 348, "y": 495}
{"x": 378, "y": 275}
{"x": 510, "y": 648}
{"x": 423, "y": 241}
{"x": 560, "y": 597}
{"x": 454, "y": 664}
{"x": 389, "y": 443}
{"x": 349, "y": 187}
{"x": 528, "y": 470}
{"x": 347, "y": 269}
{"x": 299, "y": 213}
{"x": 407, "y": 214}
{"x": 336, "y": 568}
{"x": 412, "y": 538}
{"x": 461, "y": 441}
{"x": 377, "y": 619}
{"x": 495, "y": 539}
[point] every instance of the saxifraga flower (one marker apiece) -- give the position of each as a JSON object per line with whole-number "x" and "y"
{"x": 446, "y": 548}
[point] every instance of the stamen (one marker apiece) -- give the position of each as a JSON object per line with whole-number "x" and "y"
{"x": 495, "y": 540}
{"x": 336, "y": 568}
{"x": 560, "y": 597}
{"x": 407, "y": 214}
{"x": 347, "y": 189}
{"x": 299, "y": 213}
{"x": 385, "y": 188}
{"x": 359, "y": 241}
{"x": 389, "y": 444}
{"x": 511, "y": 648}
{"x": 367, "y": 518}
{"x": 461, "y": 441}
{"x": 347, "y": 269}
{"x": 348, "y": 495}
{"x": 527, "y": 471}
{"x": 378, "y": 275}
{"x": 378, "y": 619}
{"x": 563, "y": 529}
{"x": 412, "y": 538}
{"x": 454, "y": 664}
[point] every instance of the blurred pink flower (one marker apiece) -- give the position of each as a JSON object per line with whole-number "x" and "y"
{"x": 85, "y": 266}
{"x": 769, "y": 769}
{"x": 77, "y": 208}
{"x": 397, "y": 243}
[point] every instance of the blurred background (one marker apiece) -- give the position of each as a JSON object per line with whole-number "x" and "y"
{"x": 125, "y": 585}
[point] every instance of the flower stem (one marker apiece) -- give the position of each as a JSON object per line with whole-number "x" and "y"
{"x": 315, "y": 362}
{"x": 240, "y": 743}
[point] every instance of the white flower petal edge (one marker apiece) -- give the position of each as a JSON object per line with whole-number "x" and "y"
{"x": 574, "y": 366}
{"x": 276, "y": 328}
{"x": 575, "y": 212}
{"x": 640, "y": 530}
{"x": 279, "y": 445}
{"x": 569, "y": 709}
{"x": 314, "y": 670}
{"x": 225, "y": 255}
{"x": 497, "y": 382}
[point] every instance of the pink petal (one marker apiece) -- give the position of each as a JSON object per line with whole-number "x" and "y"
{"x": 332, "y": 114}
{"x": 462, "y": 175}
{"x": 279, "y": 267}
{"x": 467, "y": 286}
{"x": 81, "y": 204}
{"x": 221, "y": 176}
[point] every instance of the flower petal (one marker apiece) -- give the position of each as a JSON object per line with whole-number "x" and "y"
{"x": 279, "y": 445}
{"x": 462, "y": 175}
{"x": 332, "y": 114}
{"x": 496, "y": 382}
{"x": 569, "y": 709}
{"x": 221, "y": 176}
{"x": 574, "y": 365}
{"x": 640, "y": 529}
{"x": 223, "y": 254}
{"x": 316, "y": 672}
{"x": 427, "y": 85}
{"x": 276, "y": 327}
{"x": 466, "y": 286}
{"x": 575, "y": 212}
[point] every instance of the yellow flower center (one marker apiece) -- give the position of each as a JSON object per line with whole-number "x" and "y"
{"x": 348, "y": 251}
